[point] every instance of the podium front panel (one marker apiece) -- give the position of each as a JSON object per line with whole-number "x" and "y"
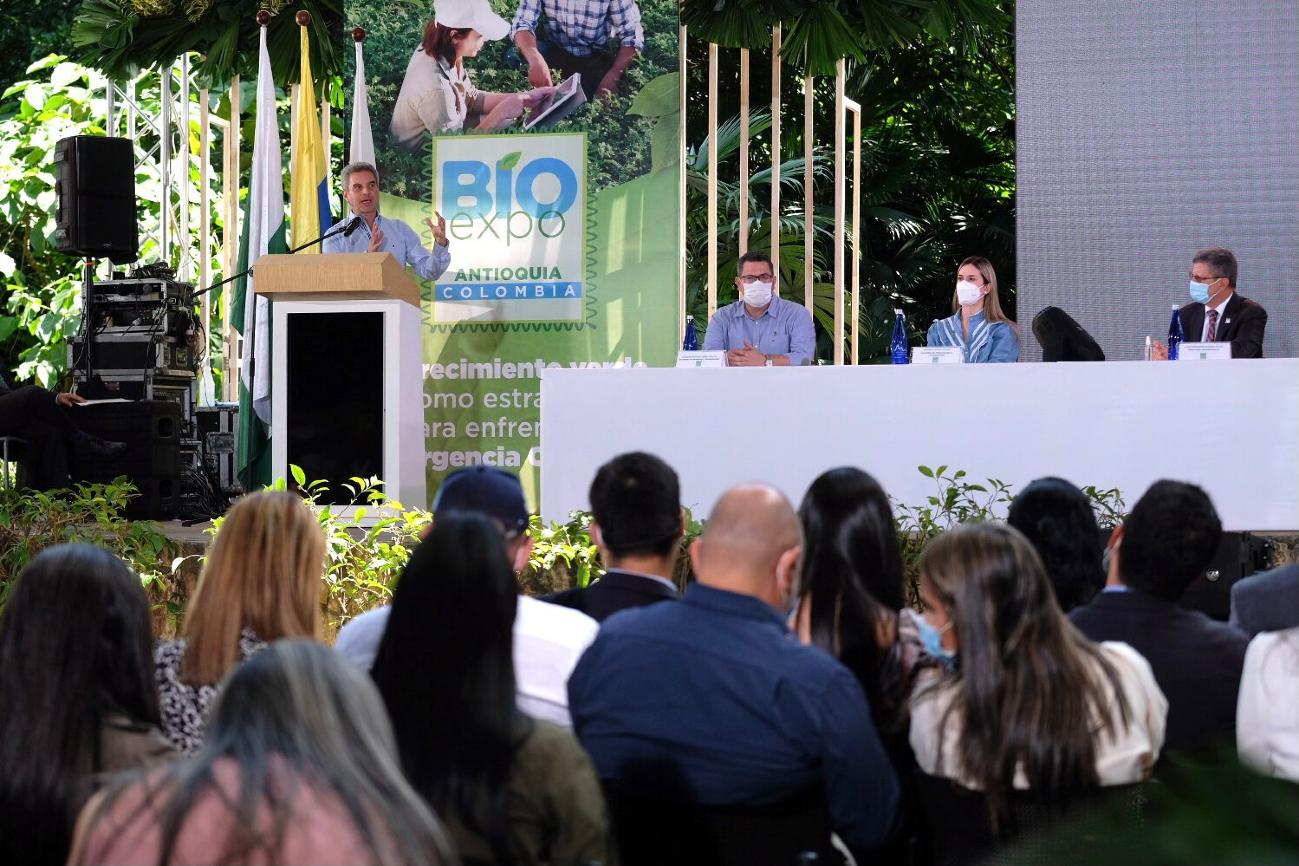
{"x": 334, "y": 397}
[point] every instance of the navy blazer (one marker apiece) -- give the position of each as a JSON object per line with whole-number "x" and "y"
{"x": 1241, "y": 324}
{"x": 1196, "y": 661}
{"x": 617, "y": 590}
{"x": 1268, "y": 601}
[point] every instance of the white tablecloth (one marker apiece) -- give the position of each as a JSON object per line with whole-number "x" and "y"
{"x": 1230, "y": 426}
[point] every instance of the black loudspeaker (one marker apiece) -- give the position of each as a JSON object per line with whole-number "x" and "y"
{"x": 1063, "y": 339}
{"x": 1239, "y": 555}
{"x": 95, "y": 179}
{"x": 151, "y": 430}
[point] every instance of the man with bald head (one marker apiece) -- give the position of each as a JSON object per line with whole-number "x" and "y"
{"x": 711, "y": 701}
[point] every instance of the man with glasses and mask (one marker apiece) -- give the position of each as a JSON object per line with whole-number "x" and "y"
{"x": 761, "y": 329}
{"x": 1216, "y": 313}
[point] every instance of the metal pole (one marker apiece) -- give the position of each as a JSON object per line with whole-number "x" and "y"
{"x": 775, "y": 152}
{"x": 164, "y": 163}
{"x": 809, "y": 208}
{"x": 744, "y": 152}
{"x": 230, "y": 237}
{"x": 712, "y": 179}
{"x": 839, "y": 143}
{"x": 681, "y": 191}
{"x": 185, "y": 271}
{"x": 856, "y": 231}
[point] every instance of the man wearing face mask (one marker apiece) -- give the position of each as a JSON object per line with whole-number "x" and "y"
{"x": 978, "y": 327}
{"x": 1216, "y": 313}
{"x": 761, "y": 329}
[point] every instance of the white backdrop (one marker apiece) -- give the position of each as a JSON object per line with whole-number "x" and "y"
{"x": 1229, "y": 426}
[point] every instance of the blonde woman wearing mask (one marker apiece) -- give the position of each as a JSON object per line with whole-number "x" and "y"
{"x": 978, "y": 326}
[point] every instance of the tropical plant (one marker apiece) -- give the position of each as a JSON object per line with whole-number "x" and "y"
{"x": 31, "y": 521}
{"x": 122, "y": 37}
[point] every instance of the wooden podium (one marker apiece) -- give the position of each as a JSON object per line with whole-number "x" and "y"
{"x": 346, "y": 371}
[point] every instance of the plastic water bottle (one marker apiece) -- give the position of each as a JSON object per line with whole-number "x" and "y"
{"x": 898, "y": 347}
{"x": 1175, "y": 335}
{"x": 691, "y": 342}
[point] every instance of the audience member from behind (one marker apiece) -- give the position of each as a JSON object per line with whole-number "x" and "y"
{"x": 637, "y": 525}
{"x": 76, "y": 694}
{"x": 851, "y": 591}
{"x": 1268, "y": 601}
{"x": 1023, "y": 700}
{"x": 1267, "y": 713}
{"x": 511, "y": 789}
{"x": 710, "y": 699}
{"x": 548, "y": 639}
{"x": 1057, "y": 518}
{"x": 261, "y": 583}
{"x": 299, "y": 766}
{"x": 1158, "y": 552}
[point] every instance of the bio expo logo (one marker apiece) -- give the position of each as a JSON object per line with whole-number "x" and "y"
{"x": 515, "y": 207}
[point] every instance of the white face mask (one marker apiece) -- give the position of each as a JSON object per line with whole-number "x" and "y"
{"x": 968, "y": 293}
{"x": 757, "y": 294}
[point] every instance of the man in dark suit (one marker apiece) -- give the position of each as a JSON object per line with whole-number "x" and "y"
{"x": 1163, "y": 546}
{"x": 637, "y": 525}
{"x": 38, "y": 418}
{"x": 1216, "y": 313}
{"x": 1268, "y": 601}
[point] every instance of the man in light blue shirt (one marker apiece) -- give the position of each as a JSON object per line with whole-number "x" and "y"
{"x": 761, "y": 329}
{"x": 383, "y": 235}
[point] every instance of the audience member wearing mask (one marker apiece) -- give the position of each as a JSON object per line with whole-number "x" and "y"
{"x": 548, "y": 638}
{"x": 761, "y": 329}
{"x": 851, "y": 592}
{"x": 1022, "y": 700}
{"x": 511, "y": 789}
{"x": 1057, "y": 518}
{"x": 261, "y": 582}
{"x": 299, "y": 766}
{"x": 637, "y": 524}
{"x": 1155, "y": 555}
{"x": 709, "y": 701}
{"x": 77, "y": 698}
{"x": 978, "y": 326}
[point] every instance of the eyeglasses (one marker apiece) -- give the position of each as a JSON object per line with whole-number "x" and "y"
{"x": 754, "y": 278}
{"x": 1205, "y": 280}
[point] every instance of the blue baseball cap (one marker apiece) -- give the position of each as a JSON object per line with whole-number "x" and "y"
{"x": 485, "y": 490}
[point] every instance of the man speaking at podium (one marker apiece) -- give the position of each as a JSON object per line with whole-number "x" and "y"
{"x": 367, "y": 233}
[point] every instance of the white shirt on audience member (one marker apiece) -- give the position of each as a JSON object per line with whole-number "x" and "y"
{"x": 1267, "y": 710}
{"x": 1125, "y": 757}
{"x": 548, "y": 641}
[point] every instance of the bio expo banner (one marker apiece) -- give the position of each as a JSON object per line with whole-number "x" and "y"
{"x": 561, "y": 204}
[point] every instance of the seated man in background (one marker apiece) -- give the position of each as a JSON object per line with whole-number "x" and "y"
{"x": 37, "y": 416}
{"x": 360, "y": 182}
{"x": 637, "y": 526}
{"x": 1155, "y": 555}
{"x": 761, "y": 329}
{"x": 1216, "y": 313}
{"x": 711, "y": 702}
{"x": 548, "y": 639}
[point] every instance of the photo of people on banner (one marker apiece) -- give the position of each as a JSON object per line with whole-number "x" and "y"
{"x": 449, "y": 67}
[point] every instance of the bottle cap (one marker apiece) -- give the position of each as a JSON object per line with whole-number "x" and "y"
{"x": 897, "y": 311}
{"x": 690, "y": 318}
{"x": 1175, "y": 306}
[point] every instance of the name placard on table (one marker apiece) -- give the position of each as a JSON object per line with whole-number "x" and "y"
{"x": 702, "y": 358}
{"x": 937, "y": 355}
{"x": 1204, "y": 352}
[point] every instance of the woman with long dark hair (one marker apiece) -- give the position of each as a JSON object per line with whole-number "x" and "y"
{"x": 512, "y": 790}
{"x": 1022, "y": 700}
{"x": 1057, "y": 518}
{"x": 76, "y": 694}
{"x": 850, "y": 592}
{"x": 299, "y": 766}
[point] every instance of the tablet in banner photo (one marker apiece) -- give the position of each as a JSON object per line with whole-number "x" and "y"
{"x": 515, "y": 208}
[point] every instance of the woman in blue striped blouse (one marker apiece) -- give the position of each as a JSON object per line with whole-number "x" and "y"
{"x": 977, "y": 325}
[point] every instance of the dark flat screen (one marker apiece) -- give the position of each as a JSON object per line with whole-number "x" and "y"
{"x": 335, "y": 398}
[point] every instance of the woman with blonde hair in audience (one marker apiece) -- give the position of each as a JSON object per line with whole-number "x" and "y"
{"x": 511, "y": 789}
{"x": 76, "y": 694}
{"x": 299, "y": 766}
{"x": 262, "y": 582}
{"x": 1022, "y": 700}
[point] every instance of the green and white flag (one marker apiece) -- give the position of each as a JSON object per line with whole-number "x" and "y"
{"x": 263, "y": 233}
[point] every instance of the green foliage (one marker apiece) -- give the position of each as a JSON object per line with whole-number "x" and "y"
{"x": 122, "y": 37}
{"x": 563, "y": 554}
{"x": 31, "y": 521}
{"x": 41, "y": 305}
{"x": 31, "y": 30}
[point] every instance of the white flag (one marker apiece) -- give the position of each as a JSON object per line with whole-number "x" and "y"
{"x": 362, "y": 136}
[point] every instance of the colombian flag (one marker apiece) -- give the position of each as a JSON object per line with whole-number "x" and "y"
{"x": 309, "y": 201}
